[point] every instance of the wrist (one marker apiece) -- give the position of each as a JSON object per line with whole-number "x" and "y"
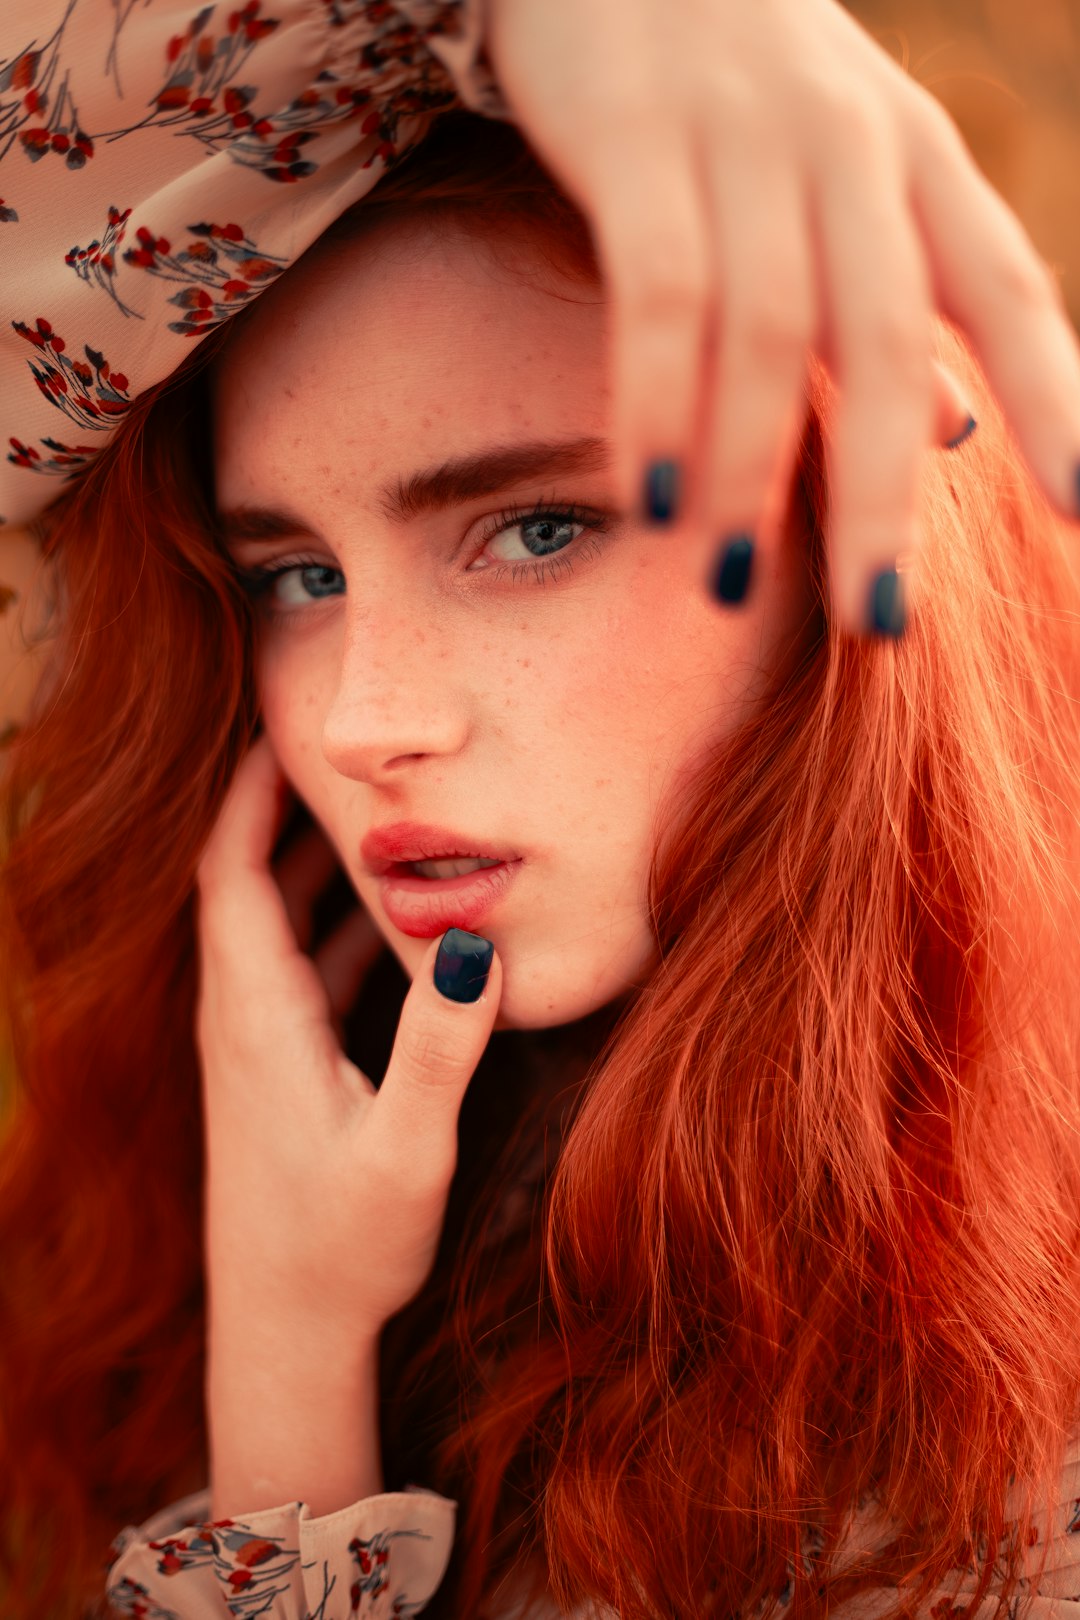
{"x": 292, "y": 1415}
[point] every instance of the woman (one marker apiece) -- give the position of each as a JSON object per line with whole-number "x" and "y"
{"x": 775, "y": 1056}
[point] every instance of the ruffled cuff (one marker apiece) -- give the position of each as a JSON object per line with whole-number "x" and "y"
{"x": 383, "y": 1556}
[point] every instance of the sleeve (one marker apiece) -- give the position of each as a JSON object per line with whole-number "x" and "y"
{"x": 383, "y": 1556}
{"x": 161, "y": 165}
{"x": 1052, "y": 1595}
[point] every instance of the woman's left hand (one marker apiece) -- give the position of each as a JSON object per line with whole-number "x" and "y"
{"x": 762, "y": 179}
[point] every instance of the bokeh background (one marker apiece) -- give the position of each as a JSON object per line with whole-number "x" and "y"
{"x": 1008, "y": 71}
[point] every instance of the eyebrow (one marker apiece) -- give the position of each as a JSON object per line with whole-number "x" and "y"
{"x": 462, "y": 478}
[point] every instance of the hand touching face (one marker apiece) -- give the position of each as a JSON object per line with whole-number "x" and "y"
{"x": 462, "y": 626}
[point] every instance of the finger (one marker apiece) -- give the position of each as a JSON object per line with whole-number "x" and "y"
{"x": 243, "y": 928}
{"x": 991, "y": 282}
{"x": 439, "y": 1042}
{"x": 649, "y": 221}
{"x": 345, "y": 959}
{"x": 251, "y": 816}
{"x": 953, "y": 421}
{"x": 767, "y": 320}
{"x": 878, "y": 317}
{"x": 303, "y": 871}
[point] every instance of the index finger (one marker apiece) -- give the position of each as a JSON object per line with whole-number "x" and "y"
{"x": 251, "y": 815}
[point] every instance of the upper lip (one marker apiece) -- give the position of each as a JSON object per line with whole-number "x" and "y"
{"x": 402, "y": 841}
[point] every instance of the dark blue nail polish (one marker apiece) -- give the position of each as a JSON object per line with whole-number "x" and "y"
{"x": 887, "y": 615}
{"x": 731, "y": 569}
{"x": 462, "y": 965}
{"x": 969, "y": 427}
{"x": 662, "y": 491}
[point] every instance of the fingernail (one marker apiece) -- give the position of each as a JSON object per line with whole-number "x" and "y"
{"x": 661, "y": 498}
{"x": 462, "y": 965}
{"x": 968, "y": 429}
{"x": 887, "y": 615}
{"x": 731, "y": 569}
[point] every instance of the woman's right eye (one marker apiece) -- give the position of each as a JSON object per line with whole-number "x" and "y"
{"x": 307, "y": 581}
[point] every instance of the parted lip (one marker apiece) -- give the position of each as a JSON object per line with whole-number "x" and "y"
{"x": 402, "y": 841}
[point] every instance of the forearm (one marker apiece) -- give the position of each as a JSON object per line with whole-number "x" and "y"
{"x": 291, "y": 1418}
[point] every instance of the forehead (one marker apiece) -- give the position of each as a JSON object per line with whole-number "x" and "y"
{"x": 406, "y": 325}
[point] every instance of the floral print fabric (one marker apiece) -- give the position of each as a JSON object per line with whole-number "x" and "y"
{"x": 382, "y": 1557}
{"x": 386, "y": 1555}
{"x": 162, "y": 164}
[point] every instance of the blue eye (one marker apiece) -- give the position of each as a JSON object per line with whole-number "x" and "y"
{"x": 314, "y": 581}
{"x": 543, "y": 532}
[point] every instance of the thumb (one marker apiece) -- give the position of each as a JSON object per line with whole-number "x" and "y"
{"x": 446, "y": 1021}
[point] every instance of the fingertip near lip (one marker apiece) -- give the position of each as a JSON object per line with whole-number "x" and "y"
{"x": 462, "y": 965}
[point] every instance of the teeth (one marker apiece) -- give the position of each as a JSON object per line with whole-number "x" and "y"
{"x": 449, "y": 869}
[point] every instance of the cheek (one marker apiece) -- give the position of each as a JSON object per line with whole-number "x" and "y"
{"x": 289, "y": 702}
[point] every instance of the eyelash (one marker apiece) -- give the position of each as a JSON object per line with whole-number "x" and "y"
{"x": 258, "y": 581}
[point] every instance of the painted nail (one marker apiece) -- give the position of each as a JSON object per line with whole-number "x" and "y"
{"x": 731, "y": 569}
{"x": 462, "y": 965}
{"x": 887, "y": 615}
{"x": 969, "y": 427}
{"x": 662, "y": 491}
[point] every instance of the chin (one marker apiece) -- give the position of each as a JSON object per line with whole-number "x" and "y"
{"x": 534, "y": 1006}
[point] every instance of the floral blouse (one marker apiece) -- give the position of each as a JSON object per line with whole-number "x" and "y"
{"x": 160, "y": 165}
{"x": 385, "y": 1556}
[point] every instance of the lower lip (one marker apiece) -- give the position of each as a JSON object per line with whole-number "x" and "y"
{"x": 424, "y": 907}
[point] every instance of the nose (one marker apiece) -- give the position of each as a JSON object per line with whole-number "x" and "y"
{"x": 400, "y": 697}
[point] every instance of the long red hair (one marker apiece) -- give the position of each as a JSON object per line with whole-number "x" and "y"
{"x": 793, "y": 1224}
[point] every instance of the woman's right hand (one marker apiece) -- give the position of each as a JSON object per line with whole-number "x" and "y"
{"x": 324, "y": 1197}
{"x": 762, "y": 180}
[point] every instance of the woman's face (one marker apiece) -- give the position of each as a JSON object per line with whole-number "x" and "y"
{"x": 422, "y": 668}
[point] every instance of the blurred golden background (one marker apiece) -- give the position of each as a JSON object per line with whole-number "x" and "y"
{"x": 1008, "y": 72}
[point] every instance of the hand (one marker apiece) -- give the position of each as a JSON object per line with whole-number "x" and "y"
{"x": 762, "y": 179}
{"x": 324, "y": 1197}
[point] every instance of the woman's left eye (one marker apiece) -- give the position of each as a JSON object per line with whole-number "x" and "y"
{"x": 543, "y": 535}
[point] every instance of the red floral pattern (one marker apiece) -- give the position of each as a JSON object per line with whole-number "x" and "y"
{"x": 122, "y": 122}
{"x": 96, "y": 263}
{"x": 87, "y": 391}
{"x": 277, "y": 1562}
{"x": 220, "y": 269}
{"x": 42, "y": 117}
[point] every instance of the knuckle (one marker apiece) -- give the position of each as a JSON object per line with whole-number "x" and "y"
{"x": 431, "y": 1050}
{"x": 1022, "y": 278}
{"x": 841, "y": 109}
{"x": 938, "y": 128}
{"x": 671, "y": 295}
{"x": 733, "y": 108}
{"x": 899, "y": 342}
{"x": 775, "y": 332}
{"x": 668, "y": 281}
